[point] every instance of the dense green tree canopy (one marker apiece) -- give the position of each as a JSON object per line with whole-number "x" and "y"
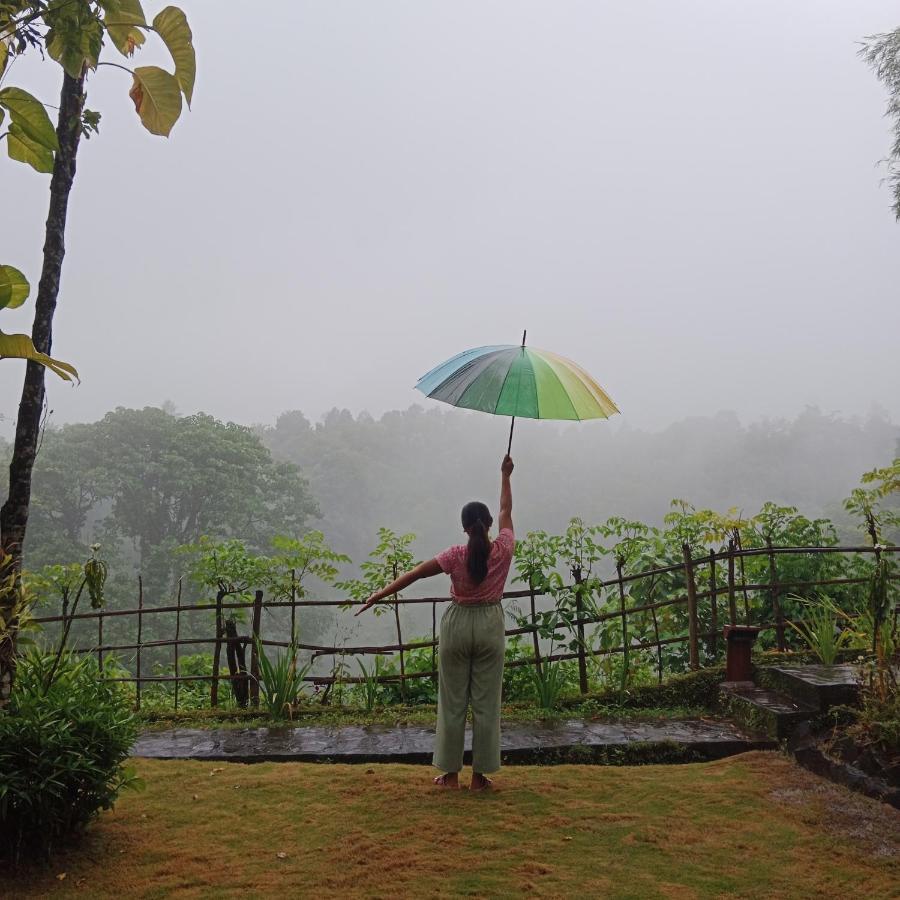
{"x": 151, "y": 481}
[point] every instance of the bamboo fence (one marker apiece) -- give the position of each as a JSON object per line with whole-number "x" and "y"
{"x": 701, "y": 607}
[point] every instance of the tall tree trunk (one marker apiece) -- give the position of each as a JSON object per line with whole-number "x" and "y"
{"x": 14, "y": 513}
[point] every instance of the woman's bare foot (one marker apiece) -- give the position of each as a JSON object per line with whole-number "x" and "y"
{"x": 480, "y": 782}
{"x": 447, "y": 780}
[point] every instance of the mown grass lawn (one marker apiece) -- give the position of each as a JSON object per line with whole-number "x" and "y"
{"x": 750, "y": 826}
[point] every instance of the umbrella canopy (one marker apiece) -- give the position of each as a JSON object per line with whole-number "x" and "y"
{"x": 515, "y": 380}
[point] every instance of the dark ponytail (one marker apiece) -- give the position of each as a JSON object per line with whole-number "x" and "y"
{"x": 476, "y": 520}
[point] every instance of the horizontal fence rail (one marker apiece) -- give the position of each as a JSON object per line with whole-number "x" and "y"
{"x": 707, "y": 610}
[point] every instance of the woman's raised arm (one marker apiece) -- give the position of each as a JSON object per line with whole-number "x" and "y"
{"x": 504, "y": 520}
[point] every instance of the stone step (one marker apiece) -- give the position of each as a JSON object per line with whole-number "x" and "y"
{"x": 763, "y": 710}
{"x": 815, "y": 686}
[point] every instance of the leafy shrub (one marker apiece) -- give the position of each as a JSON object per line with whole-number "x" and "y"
{"x": 191, "y": 694}
{"x": 418, "y": 690}
{"x": 692, "y": 690}
{"x": 61, "y": 752}
{"x": 517, "y": 681}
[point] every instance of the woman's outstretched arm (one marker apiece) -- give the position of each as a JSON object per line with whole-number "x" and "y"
{"x": 423, "y": 570}
{"x": 505, "y": 517}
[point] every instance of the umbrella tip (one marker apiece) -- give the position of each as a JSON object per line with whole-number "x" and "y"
{"x": 523, "y": 337}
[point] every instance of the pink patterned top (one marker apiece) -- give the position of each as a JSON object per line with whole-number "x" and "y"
{"x": 453, "y": 562}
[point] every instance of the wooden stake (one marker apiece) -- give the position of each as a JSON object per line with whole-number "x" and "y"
{"x": 714, "y": 605}
{"x": 100, "y": 639}
{"x": 732, "y": 602}
{"x": 534, "y": 635}
{"x": 693, "y": 645}
{"x": 139, "y": 639}
{"x": 254, "y": 654}
{"x": 434, "y": 677}
{"x": 217, "y": 652}
{"x": 177, "y": 635}
{"x": 776, "y": 600}
{"x": 579, "y": 632}
{"x": 625, "y": 660}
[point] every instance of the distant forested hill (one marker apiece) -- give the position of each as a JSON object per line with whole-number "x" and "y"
{"x": 413, "y": 470}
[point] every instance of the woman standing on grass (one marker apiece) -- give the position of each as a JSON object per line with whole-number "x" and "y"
{"x": 473, "y": 638}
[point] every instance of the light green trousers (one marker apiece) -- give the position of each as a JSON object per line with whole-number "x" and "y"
{"x": 470, "y": 670}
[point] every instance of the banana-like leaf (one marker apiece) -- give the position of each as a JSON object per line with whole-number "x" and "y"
{"x": 157, "y": 99}
{"x": 121, "y": 26}
{"x": 19, "y": 346}
{"x": 172, "y": 26}
{"x": 4, "y": 55}
{"x": 29, "y": 114}
{"x": 14, "y": 288}
{"x": 22, "y": 148}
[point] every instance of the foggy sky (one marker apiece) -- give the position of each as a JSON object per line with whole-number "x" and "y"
{"x": 682, "y": 196}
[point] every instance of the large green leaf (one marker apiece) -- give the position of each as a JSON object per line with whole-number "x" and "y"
{"x": 121, "y": 22}
{"x": 4, "y": 55}
{"x": 172, "y": 26}
{"x": 157, "y": 99}
{"x": 23, "y": 149}
{"x": 14, "y": 287}
{"x": 29, "y": 114}
{"x": 19, "y": 346}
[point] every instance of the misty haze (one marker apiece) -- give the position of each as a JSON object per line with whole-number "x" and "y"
{"x": 458, "y": 384}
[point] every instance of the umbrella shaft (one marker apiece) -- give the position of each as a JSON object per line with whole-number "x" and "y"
{"x": 511, "y": 426}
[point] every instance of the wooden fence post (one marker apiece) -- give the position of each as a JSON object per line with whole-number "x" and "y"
{"x": 659, "y": 656}
{"x": 237, "y": 663}
{"x": 626, "y": 660}
{"x": 740, "y": 550}
{"x": 400, "y": 643}
{"x": 217, "y": 652}
{"x": 293, "y": 605}
{"x": 536, "y": 644}
{"x": 776, "y": 600}
{"x": 579, "y": 631}
{"x": 434, "y": 678}
{"x": 177, "y": 636}
{"x": 714, "y": 605}
{"x": 254, "y": 649}
{"x": 693, "y": 646}
{"x": 100, "y": 639}
{"x": 732, "y": 602}
{"x": 139, "y": 639}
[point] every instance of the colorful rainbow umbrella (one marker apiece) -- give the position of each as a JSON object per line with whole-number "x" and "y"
{"x": 515, "y": 380}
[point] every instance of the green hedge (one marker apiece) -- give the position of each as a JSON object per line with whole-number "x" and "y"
{"x": 692, "y": 689}
{"x": 61, "y": 753}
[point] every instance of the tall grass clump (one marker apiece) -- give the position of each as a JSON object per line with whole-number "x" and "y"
{"x": 281, "y": 681}
{"x": 821, "y": 629}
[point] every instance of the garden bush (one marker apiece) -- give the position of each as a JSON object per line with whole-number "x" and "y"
{"x": 418, "y": 690}
{"x": 62, "y": 752}
{"x": 698, "y": 689}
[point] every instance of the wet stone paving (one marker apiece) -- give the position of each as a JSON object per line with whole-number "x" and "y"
{"x": 704, "y": 739}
